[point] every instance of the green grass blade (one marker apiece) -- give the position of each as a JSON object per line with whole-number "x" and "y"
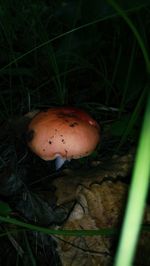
{"x": 103, "y": 231}
{"x": 137, "y": 197}
{"x": 52, "y": 40}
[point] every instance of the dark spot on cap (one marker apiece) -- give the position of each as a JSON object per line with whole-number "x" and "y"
{"x": 29, "y": 135}
{"x": 63, "y": 141}
{"x": 43, "y": 149}
{"x": 50, "y": 142}
{"x": 73, "y": 124}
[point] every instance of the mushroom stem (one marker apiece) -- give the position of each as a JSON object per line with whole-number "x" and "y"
{"x": 59, "y": 162}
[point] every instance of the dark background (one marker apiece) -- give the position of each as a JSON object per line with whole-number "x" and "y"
{"x": 99, "y": 62}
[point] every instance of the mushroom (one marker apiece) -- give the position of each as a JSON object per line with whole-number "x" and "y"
{"x": 63, "y": 133}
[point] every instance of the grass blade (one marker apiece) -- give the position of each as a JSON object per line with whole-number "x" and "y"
{"x": 137, "y": 197}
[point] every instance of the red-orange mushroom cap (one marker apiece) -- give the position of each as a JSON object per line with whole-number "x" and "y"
{"x": 65, "y": 133}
